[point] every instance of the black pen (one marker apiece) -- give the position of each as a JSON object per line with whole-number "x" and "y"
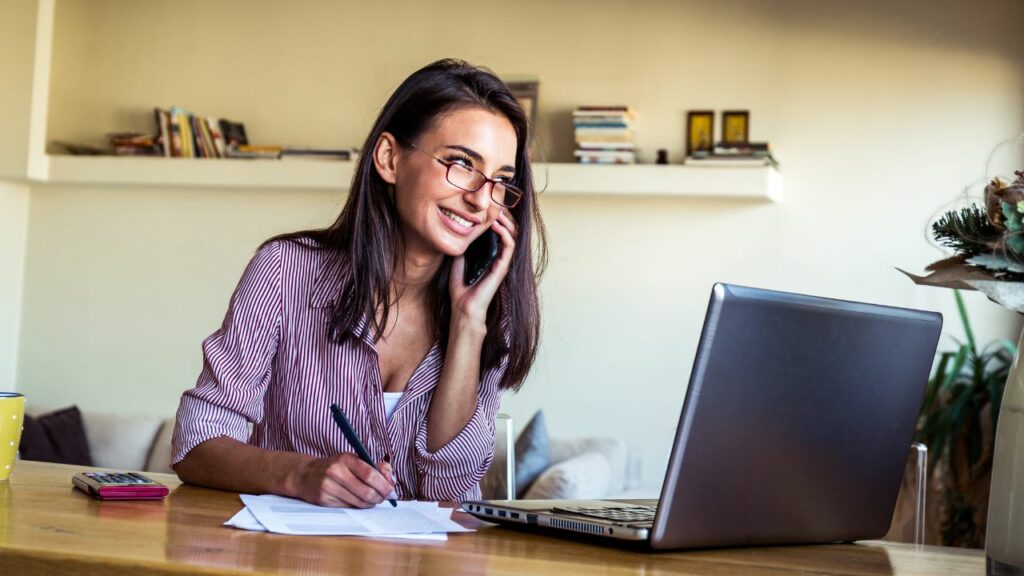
{"x": 353, "y": 440}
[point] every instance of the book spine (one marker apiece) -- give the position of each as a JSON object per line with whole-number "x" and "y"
{"x": 163, "y": 136}
{"x": 197, "y": 138}
{"x": 216, "y": 136}
{"x": 187, "y": 150}
{"x": 176, "y": 145}
{"x": 204, "y": 135}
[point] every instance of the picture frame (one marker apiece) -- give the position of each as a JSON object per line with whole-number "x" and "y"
{"x": 526, "y": 92}
{"x": 700, "y": 131}
{"x": 735, "y": 127}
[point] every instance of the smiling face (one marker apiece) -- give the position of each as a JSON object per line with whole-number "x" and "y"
{"x": 438, "y": 218}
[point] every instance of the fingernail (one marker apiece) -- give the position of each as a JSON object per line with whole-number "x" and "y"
{"x": 393, "y": 495}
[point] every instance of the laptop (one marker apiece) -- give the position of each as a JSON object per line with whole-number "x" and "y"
{"x": 795, "y": 428}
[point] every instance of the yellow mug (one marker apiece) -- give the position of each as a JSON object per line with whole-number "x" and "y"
{"x": 12, "y": 412}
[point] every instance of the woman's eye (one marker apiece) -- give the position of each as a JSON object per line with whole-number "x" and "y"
{"x": 460, "y": 160}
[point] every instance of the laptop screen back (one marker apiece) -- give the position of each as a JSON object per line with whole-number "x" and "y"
{"x": 797, "y": 421}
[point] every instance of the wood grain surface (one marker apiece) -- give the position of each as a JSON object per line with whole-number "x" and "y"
{"x": 47, "y": 527}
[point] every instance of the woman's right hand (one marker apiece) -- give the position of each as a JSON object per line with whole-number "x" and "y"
{"x": 342, "y": 481}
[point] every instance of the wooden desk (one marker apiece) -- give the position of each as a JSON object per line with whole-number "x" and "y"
{"x": 46, "y": 527}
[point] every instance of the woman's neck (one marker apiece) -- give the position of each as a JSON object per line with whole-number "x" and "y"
{"x": 415, "y": 276}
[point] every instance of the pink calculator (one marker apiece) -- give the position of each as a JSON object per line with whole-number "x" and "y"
{"x": 119, "y": 486}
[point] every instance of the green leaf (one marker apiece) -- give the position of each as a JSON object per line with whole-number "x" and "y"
{"x": 931, "y": 393}
{"x": 1016, "y": 244}
{"x": 995, "y": 395}
{"x": 958, "y": 365}
{"x": 1012, "y": 221}
{"x": 963, "y": 315}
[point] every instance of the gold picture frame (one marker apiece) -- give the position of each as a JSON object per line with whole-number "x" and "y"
{"x": 700, "y": 131}
{"x": 735, "y": 127}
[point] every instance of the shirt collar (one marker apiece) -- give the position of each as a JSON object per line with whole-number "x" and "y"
{"x": 326, "y": 287}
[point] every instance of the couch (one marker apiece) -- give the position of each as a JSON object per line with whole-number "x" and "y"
{"x": 125, "y": 441}
{"x": 595, "y": 467}
{"x": 560, "y": 468}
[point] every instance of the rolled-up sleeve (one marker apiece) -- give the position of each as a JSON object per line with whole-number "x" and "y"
{"x": 453, "y": 472}
{"x": 237, "y": 361}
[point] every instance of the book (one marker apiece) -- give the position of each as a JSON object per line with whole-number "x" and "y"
{"x": 601, "y": 131}
{"x": 82, "y": 148}
{"x": 593, "y": 160}
{"x": 176, "y": 144}
{"x": 600, "y": 122}
{"x": 298, "y": 152}
{"x": 250, "y": 151}
{"x": 624, "y": 111}
{"x": 628, "y": 115}
{"x": 741, "y": 148}
{"x": 603, "y": 140}
{"x": 208, "y": 138}
{"x": 604, "y": 144}
{"x": 183, "y": 122}
{"x": 609, "y": 155}
{"x": 217, "y": 136}
{"x": 197, "y": 137}
{"x": 163, "y": 130}
{"x": 233, "y": 132}
{"x": 134, "y": 144}
{"x": 730, "y": 162}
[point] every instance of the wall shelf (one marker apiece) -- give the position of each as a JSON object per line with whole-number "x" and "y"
{"x": 751, "y": 183}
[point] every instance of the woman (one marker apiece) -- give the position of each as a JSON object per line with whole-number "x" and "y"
{"x": 374, "y": 314}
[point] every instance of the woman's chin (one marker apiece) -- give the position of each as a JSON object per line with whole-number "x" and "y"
{"x": 452, "y": 246}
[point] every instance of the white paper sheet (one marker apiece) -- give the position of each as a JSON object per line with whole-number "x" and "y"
{"x": 288, "y": 516}
{"x": 244, "y": 520}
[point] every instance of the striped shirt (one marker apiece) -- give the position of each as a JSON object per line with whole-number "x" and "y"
{"x": 272, "y": 364}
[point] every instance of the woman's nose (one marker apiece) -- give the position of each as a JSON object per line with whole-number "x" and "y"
{"x": 481, "y": 199}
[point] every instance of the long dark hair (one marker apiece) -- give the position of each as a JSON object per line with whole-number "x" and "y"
{"x": 367, "y": 235}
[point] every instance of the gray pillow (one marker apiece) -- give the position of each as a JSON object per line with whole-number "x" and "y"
{"x": 532, "y": 453}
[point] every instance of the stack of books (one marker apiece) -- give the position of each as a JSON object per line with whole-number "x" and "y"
{"x": 182, "y": 134}
{"x": 734, "y": 154}
{"x": 604, "y": 135}
{"x": 133, "y": 144}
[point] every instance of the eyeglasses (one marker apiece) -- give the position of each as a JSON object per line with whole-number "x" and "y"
{"x": 470, "y": 179}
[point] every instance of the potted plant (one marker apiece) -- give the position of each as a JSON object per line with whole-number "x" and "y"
{"x": 988, "y": 245}
{"x": 956, "y": 422}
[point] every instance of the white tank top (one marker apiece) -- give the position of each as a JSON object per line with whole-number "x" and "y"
{"x": 391, "y": 402}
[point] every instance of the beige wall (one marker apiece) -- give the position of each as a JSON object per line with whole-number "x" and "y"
{"x": 880, "y": 113}
{"x": 17, "y": 38}
{"x": 14, "y": 203}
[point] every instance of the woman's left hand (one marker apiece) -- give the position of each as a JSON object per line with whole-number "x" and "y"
{"x": 471, "y": 302}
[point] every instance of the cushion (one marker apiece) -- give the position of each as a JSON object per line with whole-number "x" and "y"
{"x": 159, "y": 459}
{"x": 494, "y": 484}
{"x": 585, "y": 476}
{"x": 121, "y": 441}
{"x": 532, "y": 454}
{"x": 35, "y": 445}
{"x": 613, "y": 449}
{"x": 56, "y": 437}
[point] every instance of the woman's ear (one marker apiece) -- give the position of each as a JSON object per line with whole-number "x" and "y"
{"x": 385, "y": 157}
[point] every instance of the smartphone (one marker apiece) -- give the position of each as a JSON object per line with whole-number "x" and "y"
{"x": 118, "y": 486}
{"x": 480, "y": 255}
